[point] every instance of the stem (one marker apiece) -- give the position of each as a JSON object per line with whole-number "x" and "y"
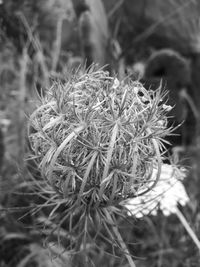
{"x": 120, "y": 240}
{"x": 57, "y": 43}
{"x": 134, "y": 166}
{"x": 159, "y": 163}
{"x": 108, "y": 159}
{"x": 188, "y": 228}
{"x": 21, "y": 114}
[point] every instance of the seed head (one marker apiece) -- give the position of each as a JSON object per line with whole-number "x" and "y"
{"x": 96, "y": 140}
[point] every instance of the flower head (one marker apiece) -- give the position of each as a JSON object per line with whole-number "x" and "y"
{"x": 165, "y": 196}
{"x": 96, "y": 139}
{"x": 96, "y": 142}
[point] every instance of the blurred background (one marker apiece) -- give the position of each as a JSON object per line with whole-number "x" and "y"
{"x": 155, "y": 42}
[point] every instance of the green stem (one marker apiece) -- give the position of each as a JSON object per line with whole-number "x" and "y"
{"x": 187, "y": 227}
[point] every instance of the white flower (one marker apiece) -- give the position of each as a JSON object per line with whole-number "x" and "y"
{"x": 165, "y": 196}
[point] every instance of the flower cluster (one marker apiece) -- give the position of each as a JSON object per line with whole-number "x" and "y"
{"x": 166, "y": 195}
{"x": 97, "y": 140}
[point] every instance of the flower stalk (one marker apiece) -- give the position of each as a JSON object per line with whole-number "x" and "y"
{"x": 96, "y": 142}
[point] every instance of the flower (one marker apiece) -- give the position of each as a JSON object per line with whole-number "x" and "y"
{"x": 96, "y": 140}
{"x": 165, "y": 196}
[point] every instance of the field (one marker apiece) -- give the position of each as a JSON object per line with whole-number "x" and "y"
{"x": 43, "y": 44}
